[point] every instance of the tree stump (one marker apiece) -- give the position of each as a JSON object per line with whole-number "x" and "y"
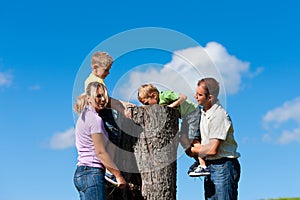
{"x": 156, "y": 151}
{"x": 147, "y": 154}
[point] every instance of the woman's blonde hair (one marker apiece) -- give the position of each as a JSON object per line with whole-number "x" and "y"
{"x": 91, "y": 91}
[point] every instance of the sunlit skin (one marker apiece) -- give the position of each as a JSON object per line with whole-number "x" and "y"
{"x": 150, "y": 100}
{"x": 202, "y": 98}
{"x": 102, "y": 72}
{"x": 99, "y": 101}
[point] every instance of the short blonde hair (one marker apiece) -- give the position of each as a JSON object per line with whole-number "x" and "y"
{"x": 146, "y": 90}
{"x": 101, "y": 59}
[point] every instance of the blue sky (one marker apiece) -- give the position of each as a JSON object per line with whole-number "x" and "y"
{"x": 44, "y": 45}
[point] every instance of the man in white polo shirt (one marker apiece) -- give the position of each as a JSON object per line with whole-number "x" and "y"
{"x": 218, "y": 146}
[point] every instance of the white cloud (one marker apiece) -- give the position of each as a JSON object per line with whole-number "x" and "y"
{"x": 230, "y": 67}
{"x": 5, "y": 79}
{"x": 290, "y": 110}
{"x": 63, "y": 140}
{"x": 278, "y": 117}
{"x": 182, "y": 73}
{"x": 290, "y": 136}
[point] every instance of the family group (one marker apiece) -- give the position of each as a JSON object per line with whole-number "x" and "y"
{"x": 206, "y": 134}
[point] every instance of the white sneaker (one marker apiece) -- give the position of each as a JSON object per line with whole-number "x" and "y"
{"x": 109, "y": 177}
{"x": 193, "y": 167}
{"x": 200, "y": 171}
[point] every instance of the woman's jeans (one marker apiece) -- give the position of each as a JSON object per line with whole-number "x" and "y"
{"x": 223, "y": 181}
{"x": 90, "y": 183}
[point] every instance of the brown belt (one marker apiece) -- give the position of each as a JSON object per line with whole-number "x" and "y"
{"x": 219, "y": 161}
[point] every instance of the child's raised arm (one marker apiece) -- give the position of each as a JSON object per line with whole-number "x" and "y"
{"x": 179, "y": 101}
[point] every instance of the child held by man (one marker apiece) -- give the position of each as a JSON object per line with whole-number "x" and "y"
{"x": 189, "y": 133}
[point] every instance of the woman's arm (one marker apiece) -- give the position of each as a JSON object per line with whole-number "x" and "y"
{"x": 103, "y": 156}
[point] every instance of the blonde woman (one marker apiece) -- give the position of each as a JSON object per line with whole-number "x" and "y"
{"x": 91, "y": 138}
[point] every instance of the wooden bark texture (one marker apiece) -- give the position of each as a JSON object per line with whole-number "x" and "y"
{"x": 147, "y": 154}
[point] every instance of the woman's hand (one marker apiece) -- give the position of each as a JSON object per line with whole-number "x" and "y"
{"x": 121, "y": 182}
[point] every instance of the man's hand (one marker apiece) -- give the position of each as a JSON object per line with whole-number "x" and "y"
{"x": 189, "y": 152}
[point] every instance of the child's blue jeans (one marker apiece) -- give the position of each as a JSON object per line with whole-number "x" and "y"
{"x": 113, "y": 130}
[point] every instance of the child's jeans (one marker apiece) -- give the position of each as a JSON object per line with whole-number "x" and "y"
{"x": 113, "y": 130}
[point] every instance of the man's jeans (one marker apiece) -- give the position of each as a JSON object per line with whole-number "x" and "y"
{"x": 223, "y": 181}
{"x": 90, "y": 183}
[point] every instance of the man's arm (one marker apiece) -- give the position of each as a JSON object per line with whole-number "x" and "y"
{"x": 209, "y": 149}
